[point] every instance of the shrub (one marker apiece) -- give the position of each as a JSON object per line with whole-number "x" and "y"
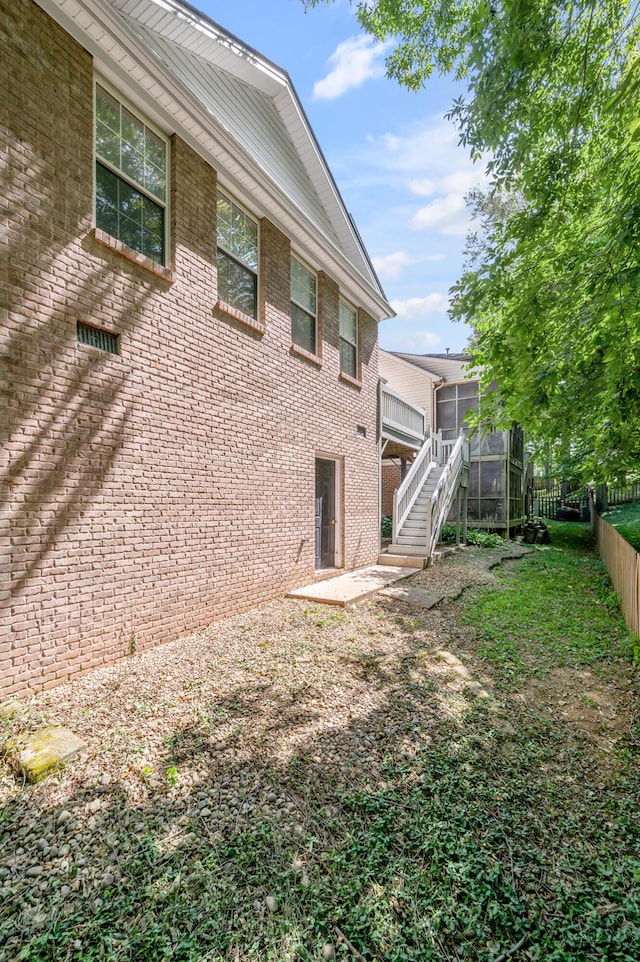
{"x": 483, "y": 539}
{"x": 386, "y": 526}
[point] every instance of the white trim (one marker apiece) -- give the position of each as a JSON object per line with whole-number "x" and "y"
{"x": 292, "y": 300}
{"x": 123, "y": 100}
{"x": 347, "y": 303}
{"x": 129, "y": 62}
{"x": 413, "y": 367}
{"x": 256, "y": 221}
{"x": 338, "y": 557}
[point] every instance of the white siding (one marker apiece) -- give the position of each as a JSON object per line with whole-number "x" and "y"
{"x": 409, "y": 381}
{"x": 251, "y": 119}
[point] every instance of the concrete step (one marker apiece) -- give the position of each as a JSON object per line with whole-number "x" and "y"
{"x": 406, "y": 547}
{"x": 401, "y": 560}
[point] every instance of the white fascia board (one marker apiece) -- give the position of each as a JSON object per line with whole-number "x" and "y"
{"x": 411, "y": 367}
{"x": 119, "y": 54}
{"x": 213, "y": 43}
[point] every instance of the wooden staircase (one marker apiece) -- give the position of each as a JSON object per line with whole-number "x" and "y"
{"x": 411, "y": 538}
{"x": 424, "y": 499}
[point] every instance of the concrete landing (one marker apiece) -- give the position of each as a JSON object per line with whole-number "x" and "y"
{"x": 353, "y": 586}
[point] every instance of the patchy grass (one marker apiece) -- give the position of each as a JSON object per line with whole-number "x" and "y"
{"x": 462, "y": 851}
{"x": 424, "y": 826}
{"x": 626, "y": 519}
{"x": 557, "y": 608}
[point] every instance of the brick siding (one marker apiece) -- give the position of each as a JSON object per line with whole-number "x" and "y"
{"x": 148, "y": 493}
{"x": 391, "y": 479}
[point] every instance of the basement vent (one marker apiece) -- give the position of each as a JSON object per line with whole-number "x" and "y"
{"x": 95, "y": 337}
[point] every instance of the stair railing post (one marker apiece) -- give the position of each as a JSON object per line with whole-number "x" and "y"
{"x": 428, "y": 532}
{"x": 465, "y": 505}
{"x": 394, "y": 519}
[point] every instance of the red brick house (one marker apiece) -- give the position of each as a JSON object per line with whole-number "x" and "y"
{"x": 188, "y": 400}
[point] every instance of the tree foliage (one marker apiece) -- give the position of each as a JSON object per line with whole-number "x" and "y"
{"x": 551, "y": 284}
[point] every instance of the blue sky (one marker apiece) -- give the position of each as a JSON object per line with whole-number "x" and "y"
{"x": 395, "y": 159}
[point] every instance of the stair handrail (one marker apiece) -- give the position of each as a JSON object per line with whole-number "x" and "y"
{"x": 442, "y": 497}
{"x": 406, "y": 494}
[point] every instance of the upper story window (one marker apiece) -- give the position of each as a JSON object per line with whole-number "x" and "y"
{"x": 304, "y": 286}
{"x": 237, "y": 239}
{"x": 348, "y": 339}
{"x": 131, "y": 178}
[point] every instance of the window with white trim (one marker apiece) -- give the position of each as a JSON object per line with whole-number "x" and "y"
{"x": 304, "y": 317}
{"x": 131, "y": 177}
{"x": 237, "y": 240}
{"x": 348, "y": 339}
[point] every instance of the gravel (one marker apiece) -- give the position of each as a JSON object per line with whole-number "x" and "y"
{"x": 258, "y": 716}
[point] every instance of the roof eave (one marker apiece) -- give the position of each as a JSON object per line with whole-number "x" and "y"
{"x": 119, "y": 54}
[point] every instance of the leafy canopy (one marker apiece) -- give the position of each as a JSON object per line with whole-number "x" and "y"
{"x": 551, "y": 282}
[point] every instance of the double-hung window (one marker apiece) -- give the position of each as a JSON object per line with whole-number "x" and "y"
{"x": 304, "y": 286}
{"x": 237, "y": 240}
{"x": 131, "y": 178}
{"x": 348, "y": 339}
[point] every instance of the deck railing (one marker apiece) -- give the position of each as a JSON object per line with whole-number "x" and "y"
{"x": 442, "y": 498}
{"x": 401, "y": 416}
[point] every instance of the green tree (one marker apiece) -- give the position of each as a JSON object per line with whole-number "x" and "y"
{"x": 551, "y": 283}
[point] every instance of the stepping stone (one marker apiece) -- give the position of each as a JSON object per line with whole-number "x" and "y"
{"x": 38, "y": 755}
{"x": 9, "y": 709}
{"x": 462, "y": 672}
{"x": 413, "y": 596}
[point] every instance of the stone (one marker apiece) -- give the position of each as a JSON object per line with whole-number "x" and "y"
{"x": 413, "y": 596}
{"x": 271, "y": 903}
{"x": 9, "y": 709}
{"x": 454, "y": 663}
{"x": 477, "y": 690}
{"x": 38, "y": 755}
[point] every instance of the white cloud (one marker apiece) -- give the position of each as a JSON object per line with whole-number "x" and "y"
{"x": 417, "y": 307}
{"x": 425, "y": 160}
{"x": 390, "y": 266}
{"x": 445, "y": 215}
{"x": 420, "y": 343}
{"x": 430, "y": 147}
{"x": 352, "y": 62}
{"x": 459, "y": 182}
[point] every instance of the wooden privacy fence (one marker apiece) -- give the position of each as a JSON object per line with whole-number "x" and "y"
{"x": 547, "y": 502}
{"x": 623, "y": 565}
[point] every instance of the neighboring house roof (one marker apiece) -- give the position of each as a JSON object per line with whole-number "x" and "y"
{"x": 451, "y": 367}
{"x": 239, "y": 111}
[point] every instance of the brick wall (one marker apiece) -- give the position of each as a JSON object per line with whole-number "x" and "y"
{"x": 391, "y": 479}
{"x": 149, "y": 493}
